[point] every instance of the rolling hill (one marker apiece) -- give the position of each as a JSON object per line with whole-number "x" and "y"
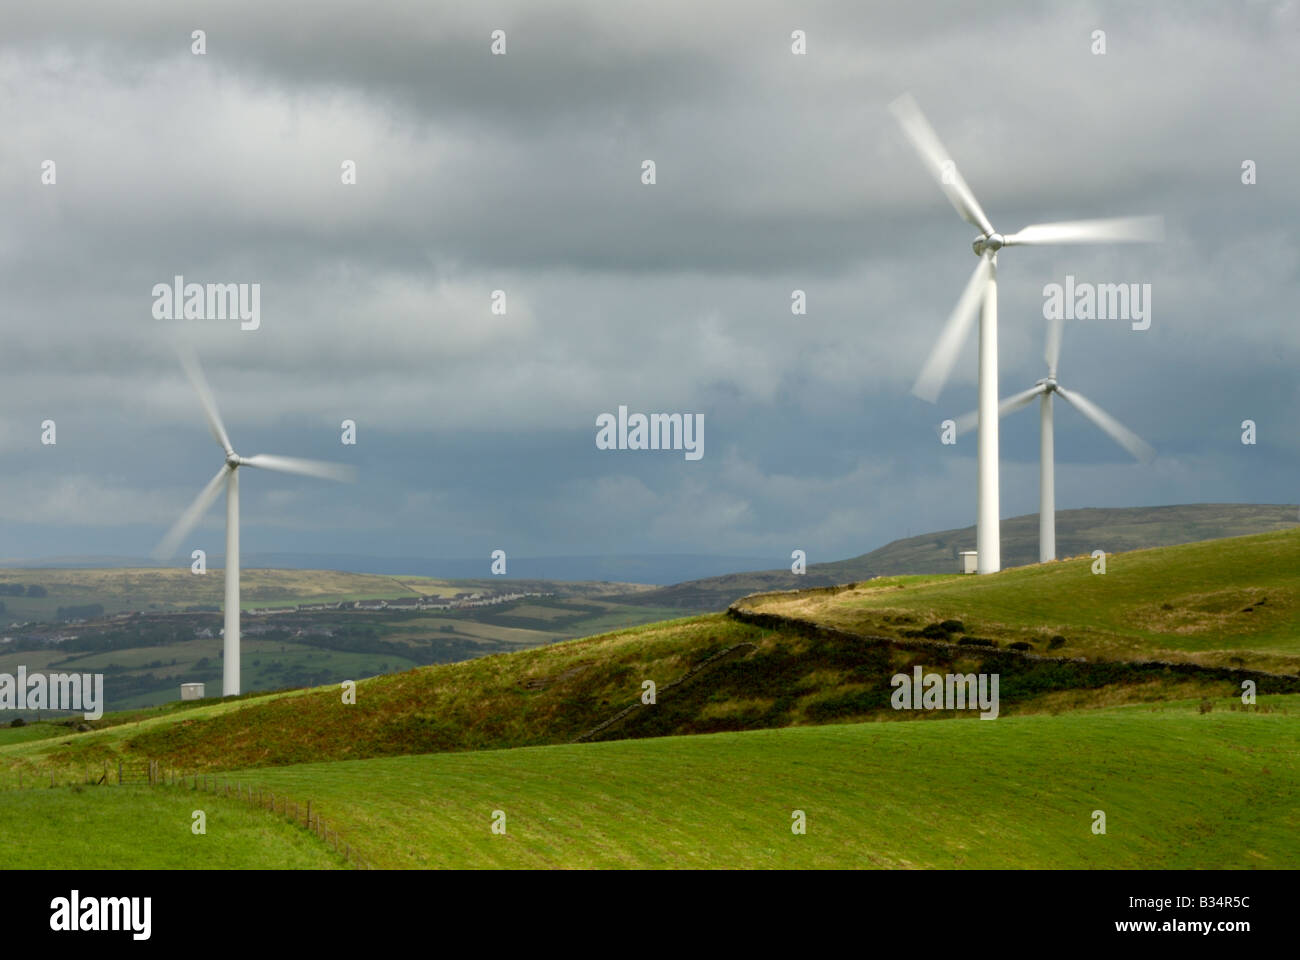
{"x": 950, "y": 793}
{"x": 1179, "y": 787}
{"x": 1230, "y": 603}
{"x": 781, "y": 705}
{"x": 1161, "y": 624}
{"x": 1077, "y": 532}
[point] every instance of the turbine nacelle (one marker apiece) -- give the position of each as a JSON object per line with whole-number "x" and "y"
{"x": 1048, "y": 384}
{"x": 992, "y": 242}
{"x": 233, "y": 460}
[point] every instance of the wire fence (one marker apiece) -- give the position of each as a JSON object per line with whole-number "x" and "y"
{"x": 152, "y": 773}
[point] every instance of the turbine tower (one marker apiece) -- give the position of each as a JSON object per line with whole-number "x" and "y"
{"x": 228, "y": 476}
{"x": 1121, "y": 434}
{"x": 981, "y": 294}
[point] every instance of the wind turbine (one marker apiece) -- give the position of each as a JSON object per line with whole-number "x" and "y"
{"x": 981, "y": 294}
{"x": 1121, "y": 434}
{"x": 229, "y": 476}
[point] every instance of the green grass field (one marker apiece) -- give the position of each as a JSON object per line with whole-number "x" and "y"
{"x": 134, "y": 827}
{"x": 1223, "y": 602}
{"x": 754, "y": 721}
{"x": 1179, "y": 789}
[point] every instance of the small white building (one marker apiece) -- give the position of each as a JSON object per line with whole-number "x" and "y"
{"x": 191, "y": 691}
{"x": 968, "y": 561}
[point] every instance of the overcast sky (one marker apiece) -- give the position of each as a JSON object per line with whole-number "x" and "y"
{"x": 523, "y": 172}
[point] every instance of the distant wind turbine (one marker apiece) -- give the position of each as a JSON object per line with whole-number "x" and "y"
{"x": 1121, "y": 434}
{"x": 229, "y": 476}
{"x": 981, "y": 294}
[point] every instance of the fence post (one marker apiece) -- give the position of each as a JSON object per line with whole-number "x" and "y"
{"x": 51, "y": 778}
{"x": 119, "y": 773}
{"x": 309, "y": 814}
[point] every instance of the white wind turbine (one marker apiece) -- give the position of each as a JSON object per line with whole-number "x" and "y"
{"x": 1121, "y": 434}
{"x": 229, "y": 476}
{"x": 981, "y": 294}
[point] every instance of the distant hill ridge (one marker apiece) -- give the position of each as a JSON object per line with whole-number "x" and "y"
{"x": 1113, "y": 529}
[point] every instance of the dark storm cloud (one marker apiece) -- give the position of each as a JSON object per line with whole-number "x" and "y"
{"x": 522, "y": 173}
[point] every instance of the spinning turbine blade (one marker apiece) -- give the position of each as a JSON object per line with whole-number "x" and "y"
{"x": 168, "y": 544}
{"x": 942, "y": 168}
{"x": 1010, "y": 405}
{"x": 1121, "y": 434}
{"x": 944, "y": 356}
{"x": 342, "y": 472}
{"x": 967, "y": 421}
{"x": 1055, "y": 330}
{"x": 1114, "y": 230}
{"x": 195, "y": 373}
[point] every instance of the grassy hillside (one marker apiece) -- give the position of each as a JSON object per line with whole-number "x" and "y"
{"x": 1179, "y": 790}
{"x": 128, "y": 828}
{"x": 712, "y": 674}
{"x": 1159, "y": 625}
{"x": 1232, "y": 602}
{"x": 1077, "y": 532}
{"x": 777, "y": 694}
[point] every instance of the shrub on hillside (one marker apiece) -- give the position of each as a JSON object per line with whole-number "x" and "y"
{"x": 1056, "y": 641}
{"x": 1020, "y": 645}
{"x": 953, "y": 626}
{"x": 976, "y": 642}
{"x": 17, "y": 722}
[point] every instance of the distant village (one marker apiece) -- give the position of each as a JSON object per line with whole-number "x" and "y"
{"x": 460, "y": 601}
